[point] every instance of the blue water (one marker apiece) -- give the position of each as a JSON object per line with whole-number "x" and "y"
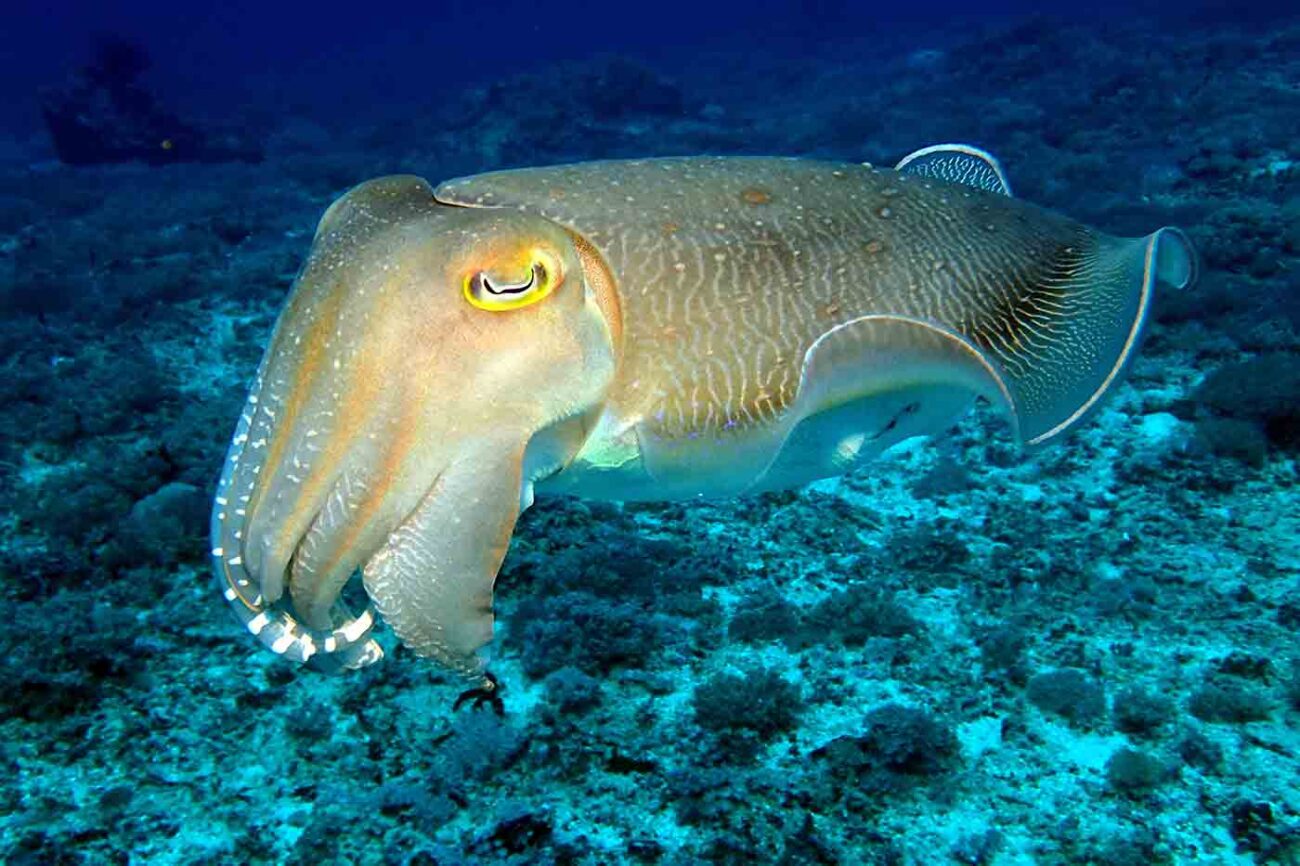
{"x": 965, "y": 651}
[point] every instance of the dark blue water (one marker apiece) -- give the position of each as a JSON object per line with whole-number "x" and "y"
{"x": 256, "y": 55}
{"x": 966, "y": 651}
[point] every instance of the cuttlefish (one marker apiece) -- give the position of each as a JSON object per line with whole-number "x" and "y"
{"x": 648, "y": 329}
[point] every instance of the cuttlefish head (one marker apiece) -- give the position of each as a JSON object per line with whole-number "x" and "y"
{"x": 431, "y": 363}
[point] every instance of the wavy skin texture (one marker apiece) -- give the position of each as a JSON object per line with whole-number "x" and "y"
{"x": 718, "y": 325}
{"x": 730, "y": 269}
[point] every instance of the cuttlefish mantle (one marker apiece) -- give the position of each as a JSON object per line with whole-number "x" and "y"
{"x": 649, "y": 329}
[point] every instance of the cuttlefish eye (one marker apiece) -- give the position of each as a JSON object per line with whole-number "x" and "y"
{"x": 495, "y": 291}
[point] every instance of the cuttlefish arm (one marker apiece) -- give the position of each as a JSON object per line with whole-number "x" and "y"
{"x": 430, "y": 364}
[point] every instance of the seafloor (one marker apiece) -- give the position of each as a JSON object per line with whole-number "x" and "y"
{"x": 967, "y": 653}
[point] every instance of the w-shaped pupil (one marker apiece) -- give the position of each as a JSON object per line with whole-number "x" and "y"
{"x": 507, "y": 288}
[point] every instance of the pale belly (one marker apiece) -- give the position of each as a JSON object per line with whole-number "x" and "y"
{"x": 624, "y": 461}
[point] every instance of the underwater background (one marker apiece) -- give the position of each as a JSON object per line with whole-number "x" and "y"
{"x": 964, "y": 653}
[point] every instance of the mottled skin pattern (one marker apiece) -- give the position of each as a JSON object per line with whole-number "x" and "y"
{"x": 635, "y": 329}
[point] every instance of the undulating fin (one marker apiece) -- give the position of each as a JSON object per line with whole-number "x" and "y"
{"x": 1071, "y": 335}
{"x": 957, "y": 163}
{"x": 1175, "y": 261}
{"x": 872, "y": 382}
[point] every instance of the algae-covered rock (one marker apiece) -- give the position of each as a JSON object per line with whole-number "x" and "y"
{"x": 1070, "y": 694}
{"x": 1263, "y": 390}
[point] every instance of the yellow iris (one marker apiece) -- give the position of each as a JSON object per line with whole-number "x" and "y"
{"x": 488, "y": 292}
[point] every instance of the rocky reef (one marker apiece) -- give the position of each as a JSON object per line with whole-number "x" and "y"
{"x": 963, "y": 654}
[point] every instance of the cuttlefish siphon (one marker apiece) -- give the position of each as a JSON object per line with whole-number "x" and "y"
{"x": 649, "y": 329}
